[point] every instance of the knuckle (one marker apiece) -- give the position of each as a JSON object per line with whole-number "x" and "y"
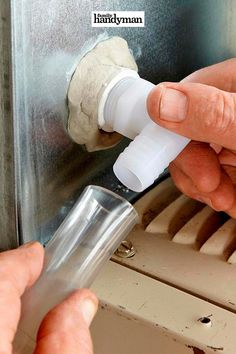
{"x": 228, "y": 111}
{"x": 222, "y": 205}
{"x": 219, "y": 112}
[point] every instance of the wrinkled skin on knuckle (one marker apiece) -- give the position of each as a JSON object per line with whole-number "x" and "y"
{"x": 218, "y": 112}
{"x": 228, "y": 112}
{"x": 213, "y": 113}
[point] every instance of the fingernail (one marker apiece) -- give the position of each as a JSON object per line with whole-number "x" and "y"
{"x": 27, "y": 244}
{"x": 89, "y": 310}
{"x": 173, "y": 106}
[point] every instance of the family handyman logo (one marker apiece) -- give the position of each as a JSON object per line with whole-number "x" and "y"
{"x": 118, "y": 19}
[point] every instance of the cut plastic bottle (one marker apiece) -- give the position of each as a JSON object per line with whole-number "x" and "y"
{"x": 97, "y": 224}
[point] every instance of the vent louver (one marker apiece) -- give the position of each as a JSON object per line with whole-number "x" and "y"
{"x": 187, "y": 221}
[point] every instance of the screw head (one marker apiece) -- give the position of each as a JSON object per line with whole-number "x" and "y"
{"x": 125, "y": 250}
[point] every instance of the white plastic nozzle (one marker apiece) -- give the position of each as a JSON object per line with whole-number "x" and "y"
{"x": 123, "y": 109}
{"x": 147, "y": 156}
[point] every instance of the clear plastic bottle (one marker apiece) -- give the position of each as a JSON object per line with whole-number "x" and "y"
{"x": 87, "y": 238}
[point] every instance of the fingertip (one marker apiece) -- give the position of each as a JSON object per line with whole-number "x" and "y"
{"x": 224, "y": 196}
{"x": 33, "y": 246}
{"x": 232, "y": 211}
{"x": 86, "y": 302}
{"x": 82, "y": 294}
{"x": 34, "y": 255}
{"x": 89, "y": 310}
{"x": 88, "y": 293}
{"x": 223, "y": 202}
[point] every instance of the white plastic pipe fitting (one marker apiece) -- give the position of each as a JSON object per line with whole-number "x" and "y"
{"x": 122, "y": 108}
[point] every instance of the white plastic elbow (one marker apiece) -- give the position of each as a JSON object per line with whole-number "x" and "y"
{"x": 122, "y": 108}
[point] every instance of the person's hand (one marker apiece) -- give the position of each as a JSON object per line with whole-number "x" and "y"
{"x": 202, "y": 107}
{"x": 65, "y": 329}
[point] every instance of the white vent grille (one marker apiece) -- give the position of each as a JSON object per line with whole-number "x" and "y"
{"x": 189, "y": 222}
{"x": 185, "y": 243}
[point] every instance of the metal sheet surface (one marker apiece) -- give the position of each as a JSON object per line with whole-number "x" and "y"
{"x": 48, "y": 39}
{"x": 8, "y": 224}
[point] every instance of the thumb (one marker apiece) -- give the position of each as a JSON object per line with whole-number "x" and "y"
{"x": 197, "y": 111}
{"x": 65, "y": 329}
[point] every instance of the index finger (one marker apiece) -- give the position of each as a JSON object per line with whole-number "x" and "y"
{"x": 19, "y": 269}
{"x": 221, "y": 75}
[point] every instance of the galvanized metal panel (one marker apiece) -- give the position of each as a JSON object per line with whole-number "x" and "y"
{"x": 8, "y": 221}
{"x": 48, "y": 38}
